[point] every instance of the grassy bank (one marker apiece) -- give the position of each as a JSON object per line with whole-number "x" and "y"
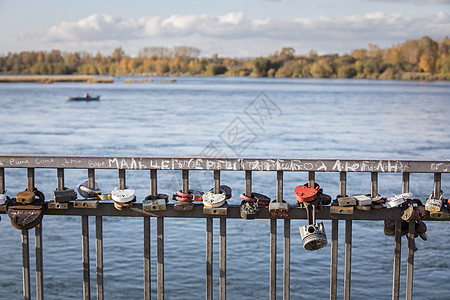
{"x": 51, "y": 79}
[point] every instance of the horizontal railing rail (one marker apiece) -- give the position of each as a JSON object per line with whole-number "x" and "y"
{"x": 244, "y": 165}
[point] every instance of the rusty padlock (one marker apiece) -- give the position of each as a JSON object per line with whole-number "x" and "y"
{"x": 442, "y": 214}
{"x": 249, "y": 210}
{"x": 279, "y": 209}
{"x": 26, "y": 216}
{"x": 323, "y": 199}
{"x": 25, "y": 197}
{"x": 421, "y": 228}
{"x": 389, "y": 227}
{"x": 408, "y": 214}
{"x": 183, "y": 206}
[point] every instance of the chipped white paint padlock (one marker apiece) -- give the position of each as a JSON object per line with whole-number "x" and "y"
{"x": 215, "y": 204}
{"x": 123, "y": 198}
{"x": 396, "y": 200}
{"x": 313, "y": 236}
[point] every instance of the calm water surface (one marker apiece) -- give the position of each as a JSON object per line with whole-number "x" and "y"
{"x": 194, "y": 116}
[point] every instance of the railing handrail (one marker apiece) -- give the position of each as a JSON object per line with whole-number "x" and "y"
{"x": 224, "y": 164}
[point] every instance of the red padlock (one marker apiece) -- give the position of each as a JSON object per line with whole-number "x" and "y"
{"x": 305, "y": 194}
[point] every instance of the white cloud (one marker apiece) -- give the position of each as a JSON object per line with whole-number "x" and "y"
{"x": 335, "y": 34}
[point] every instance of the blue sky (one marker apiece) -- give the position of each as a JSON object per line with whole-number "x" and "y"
{"x": 228, "y": 28}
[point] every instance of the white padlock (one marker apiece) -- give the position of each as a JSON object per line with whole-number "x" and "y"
{"x": 396, "y": 200}
{"x": 213, "y": 200}
{"x": 122, "y": 196}
{"x": 3, "y": 198}
{"x": 363, "y": 200}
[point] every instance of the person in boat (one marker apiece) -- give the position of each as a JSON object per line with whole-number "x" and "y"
{"x": 86, "y": 95}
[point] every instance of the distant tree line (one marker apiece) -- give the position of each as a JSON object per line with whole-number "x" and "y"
{"x": 424, "y": 58}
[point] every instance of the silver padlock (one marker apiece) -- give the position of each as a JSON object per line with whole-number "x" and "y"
{"x": 155, "y": 203}
{"x": 313, "y": 236}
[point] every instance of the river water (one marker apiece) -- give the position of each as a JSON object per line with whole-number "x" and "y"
{"x": 303, "y": 118}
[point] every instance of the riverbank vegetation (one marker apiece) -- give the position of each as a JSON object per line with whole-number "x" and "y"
{"x": 422, "y": 59}
{"x": 51, "y": 79}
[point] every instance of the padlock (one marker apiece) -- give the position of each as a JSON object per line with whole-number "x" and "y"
{"x": 3, "y": 200}
{"x": 347, "y": 201}
{"x": 86, "y": 192}
{"x": 26, "y": 216}
{"x": 65, "y": 195}
{"x": 322, "y": 198}
{"x": 25, "y": 197}
{"x": 396, "y": 200}
{"x": 305, "y": 194}
{"x": 123, "y": 198}
{"x": 408, "y": 214}
{"x": 249, "y": 210}
{"x": 261, "y": 199}
{"x": 155, "y": 203}
{"x": 215, "y": 204}
{"x": 377, "y": 206}
{"x": 420, "y": 212}
{"x": 363, "y": 200}
{"x": 183, "y": 206}
{"x": 433, "y": 205}
{"x": 443, "y": 214}
{"x": 389, "y": 227}
{"x": 279, "y": 209}
{"x": 363, "y": 207}
{"x": 313, "y": 236}
{"x": 341, "y": 210}
{"x": 213, "y": 200}
{"x": 221, "y": 210}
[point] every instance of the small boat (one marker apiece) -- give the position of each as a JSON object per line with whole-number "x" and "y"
{"x": 86, "y": 97}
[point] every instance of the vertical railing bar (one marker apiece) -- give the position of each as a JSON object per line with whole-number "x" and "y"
{"x": 348, "y": 244}
{"x": 286, "y": 242}
{"x": 185, "y": 181}
{"x": 398, "y": 246}
{"x": 311, "y": 179}
{"x": 334, "y": 258}
{"x": 216, "y": 181}
{"x": 273, "y": 259}
{"x": 160, "y": 256}
{"x": 223, "y": 259}
{"x": 26, "y": 245}
{"x": 60, "y": 180}
{"x": 374, "y": 184}
{"x": 99, "y": 255}
{"x": 85, "y": 243}
{"x": 25, "y": 265}
{"x": 160, "y": 236}
{"x": 147, "y": 263}
{"x": 122, "y": 179}
{"x": 2, "y": 181}
{"x": 39, "y": 262}
{"x": 248, "y": 183}
{"x": 209, "y": 258}
{"x": 348, "y": 259}
{"x": 411, "y": 244}
{"x": 397, "y": 260}
{"x": 437, "y": 185}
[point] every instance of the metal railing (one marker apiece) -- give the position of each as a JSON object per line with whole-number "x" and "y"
{"x": 245, "y": 165}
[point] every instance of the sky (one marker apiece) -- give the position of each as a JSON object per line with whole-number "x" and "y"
{"x": 232, "y": 28}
